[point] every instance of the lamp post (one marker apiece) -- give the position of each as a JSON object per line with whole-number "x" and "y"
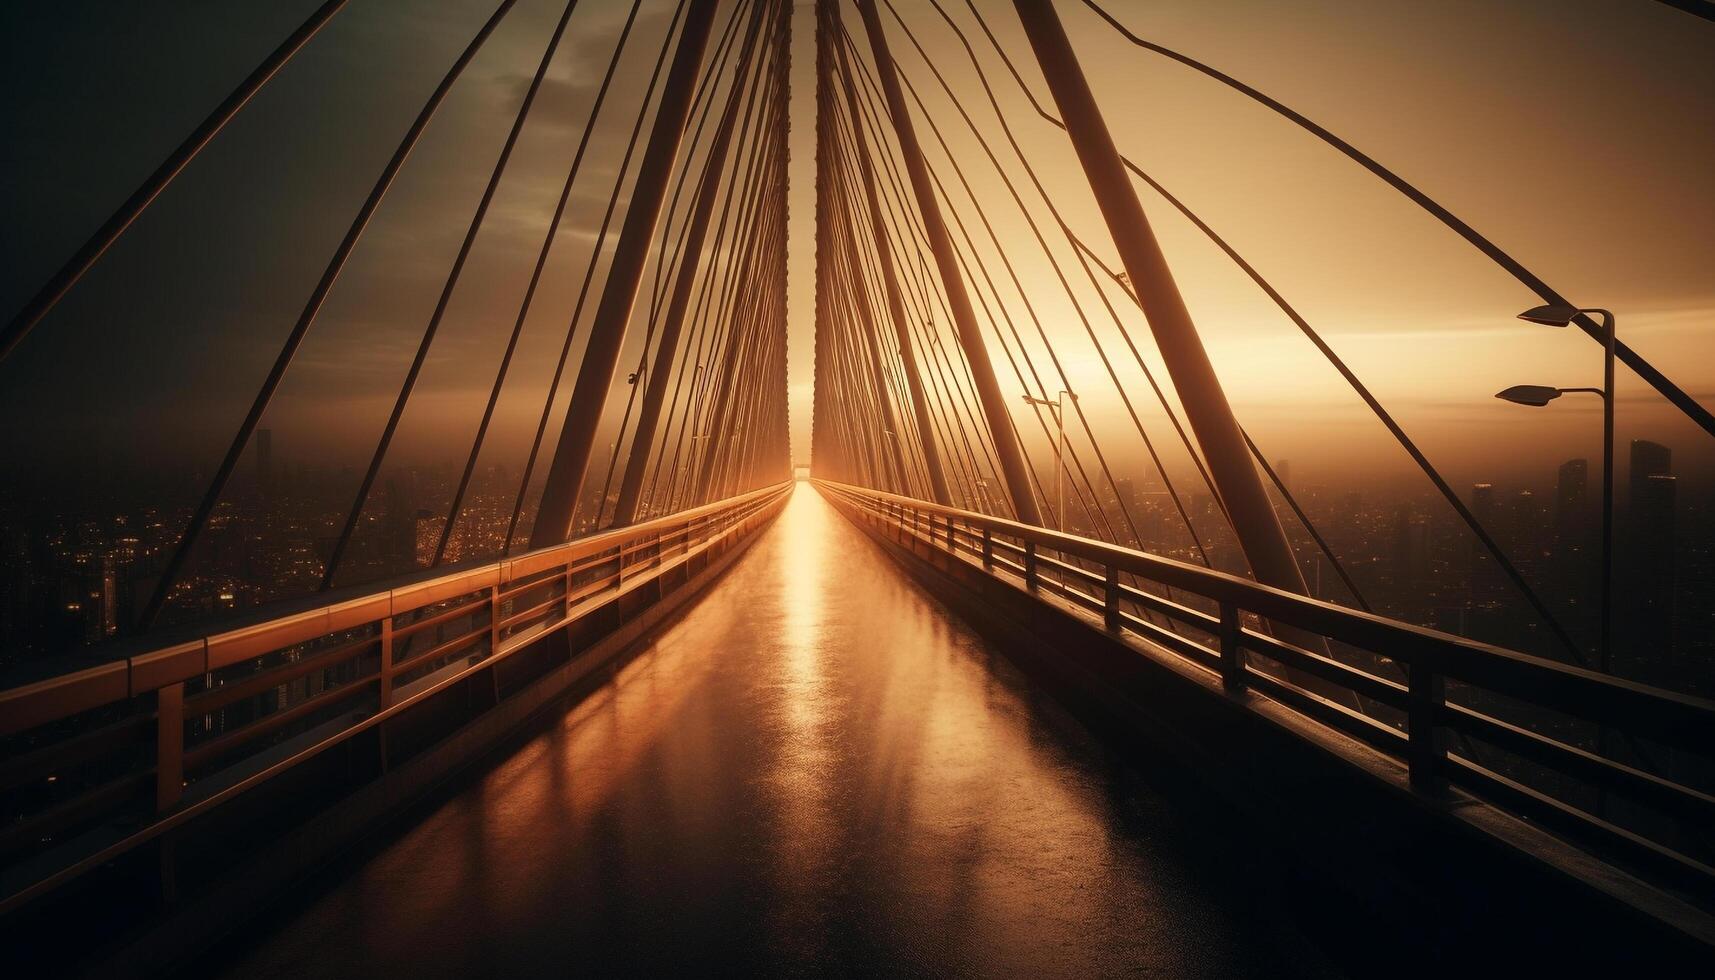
{"x": 1057, "y": 406}
{"x": 1537, "y": 396}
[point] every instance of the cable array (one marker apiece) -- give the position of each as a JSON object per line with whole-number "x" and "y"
{"x": 1032, "y": 274}
{"x": 711, "y": 327}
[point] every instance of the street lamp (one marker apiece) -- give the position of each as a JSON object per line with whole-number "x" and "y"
{"x": 1057, "y": 406}
{"x": 1536, "y": 396}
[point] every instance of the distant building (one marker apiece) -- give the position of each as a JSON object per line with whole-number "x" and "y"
{"x": 1525, "y": 530}
{"x": 1410, "y": 547}
{"x": 1486, "y": 580}
{"x": 399, "y": 525}
{"x": 1571, "y": 502}
{"x": 1126, "y": 491}
{"x": 1647, "y": 570}
{"x": 1648, "y": 459}
{"x": 1656, "y": 572}
{"x": 428, "y": 533}
{"x": 1483, "y": 503}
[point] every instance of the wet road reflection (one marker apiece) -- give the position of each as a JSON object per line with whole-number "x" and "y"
{"x": 816, "y": 770}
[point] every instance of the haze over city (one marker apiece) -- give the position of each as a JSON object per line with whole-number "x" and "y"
{"x": 414, "y": 382}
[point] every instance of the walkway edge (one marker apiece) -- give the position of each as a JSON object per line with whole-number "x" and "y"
{"x": 247, "y": 890}
{"x": 1463, "y": 867}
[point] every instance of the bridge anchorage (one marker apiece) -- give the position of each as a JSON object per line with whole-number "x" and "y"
{"x": 753, "y": 487}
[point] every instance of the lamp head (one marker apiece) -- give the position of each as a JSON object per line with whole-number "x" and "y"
{"x": 1535, "y": 396}
{"x": 1552, "y": 315}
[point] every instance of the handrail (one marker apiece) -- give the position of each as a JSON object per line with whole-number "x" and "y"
{"x": 31, "y": 705}
{"x": 369, "y": 668}
{"x": 1430, "y": 658}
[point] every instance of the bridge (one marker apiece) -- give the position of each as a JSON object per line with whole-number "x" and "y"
{"x": 572, "y": 641}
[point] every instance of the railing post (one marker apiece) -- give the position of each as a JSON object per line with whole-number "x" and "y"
{"x": 169, "y": 746}
{"x": 494, "y": 639}
{"x": 1030, "y": 565}
{"x": 1232, "y": 653}
{"x": 1111, "y": 598}
{"x": 1426, "y": 692}
{"x": 988, "y": 550}
{"x": 385, "y": 698}
{"x": 384, "y": 695}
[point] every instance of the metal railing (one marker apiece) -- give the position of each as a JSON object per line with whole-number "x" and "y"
{"x": 1535, "y": 737}
{"x": 95, "y": 762}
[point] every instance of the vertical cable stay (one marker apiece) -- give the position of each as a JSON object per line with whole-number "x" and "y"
{"x": 1008, "y": 450}
{"x": 1035, "y": 409}
{"x": 701, "y": 105}
{"x": 1036, "y": 320}
{"x": 858, "y": 305}
{"x": 716, "y": 320}
{"x": 1094, "y": 513}
{"x": 690, "y": 237}
{"x": 734, "y": 305}
{"x": 573, "y": 450}
{"x": 950, "y": 386}
{"x": 956, "y": 433}
{"x": 1065, "y": 285}
{"x": 880, "y": 266}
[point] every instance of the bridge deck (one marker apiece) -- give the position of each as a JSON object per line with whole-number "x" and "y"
{"x": 816, "y": 769}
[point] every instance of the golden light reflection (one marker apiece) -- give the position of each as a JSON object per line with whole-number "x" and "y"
{"x": 817, "y": 755}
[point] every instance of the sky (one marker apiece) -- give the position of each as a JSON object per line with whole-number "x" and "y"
{"x": 1574, "y": 134}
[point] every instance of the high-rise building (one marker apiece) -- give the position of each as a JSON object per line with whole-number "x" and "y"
{"x": 1525, "y": 527}
{"x": 1571, "y": 500}
{"x": 1483, "y": 503}
{"x": 1647, "y": 562}
{"x": 1486, "y": 579}
{"x": 1648, "y": 459}
{"x": 98, "y": 605}
{"x": 1655, "y": 572}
